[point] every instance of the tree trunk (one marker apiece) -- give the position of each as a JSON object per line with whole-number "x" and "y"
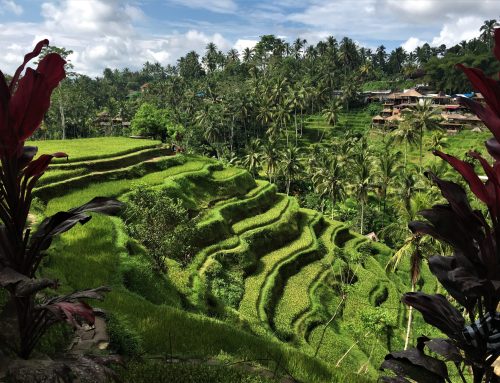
{"x": 328, "y": 323}
{"x": 296, "y": 129}
{"x": 408, "y": 326}
{"x": 421, "y": 144}
{"x": 406, "y": 154}
{"x": 61, "y": 112}
{"x": 362, "y": 217}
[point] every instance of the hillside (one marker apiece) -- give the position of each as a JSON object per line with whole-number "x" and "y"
{"x": 268, "y": 276}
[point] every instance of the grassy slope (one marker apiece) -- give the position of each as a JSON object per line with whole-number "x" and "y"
{"x": 290, "y": 258}
{"x": 93, "y": 148}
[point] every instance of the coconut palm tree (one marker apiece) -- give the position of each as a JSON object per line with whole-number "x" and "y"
{"x": 290, "y": 165}
{"x": 406, "y": 134}
{"x": 252, "y": 159}
{"x": 363, "y": 176}
{"x": 437, "y": 141}
{"x": 389, "y": 170}
{"x": 487, "y": 31}
{"x": 413, "y": 247}
{"x": 271, "y": 156}
{"x": 423, "y": 118}
{"x": 328, "y": 178}
{"x": 331, "y": 113}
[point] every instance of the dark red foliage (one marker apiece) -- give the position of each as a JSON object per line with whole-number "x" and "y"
{"x": 23, "y": 104}
{"x": 472, "y": 274}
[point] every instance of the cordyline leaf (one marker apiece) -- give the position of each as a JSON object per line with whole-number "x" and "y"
{"x": 496, "y": 50}
{"x": 31, "y": 100}
{"x": 72, "y": 312}
{"x": 63, "y": 221}
{"x": 468, "y": 173}
{"x": 443, "y": 347}
{"x": 29, "y": 152}
{"x": 445, "y": 226}
{"x": 10, "y": 277}
{"x": 438, "y": 312}
{"x": 485, "y": 85}
{"x": 393, "y": 379}
{"x": 493, "y": 148}
{"x": 440, "y": 266}
{"x": 27, "y": 57}
{"x": 414, "y": 364}
{"x": 37, "y": 167}
{"x": 490, "y": 119}
{"x": 96, "y": 293}
{"x": 29, "y": 287}
{"x": 457, "y": 198}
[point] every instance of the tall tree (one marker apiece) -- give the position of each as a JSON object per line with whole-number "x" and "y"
{"x": 423, "y": 118}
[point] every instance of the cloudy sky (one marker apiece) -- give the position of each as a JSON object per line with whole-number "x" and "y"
{"x": 121, "y": 33}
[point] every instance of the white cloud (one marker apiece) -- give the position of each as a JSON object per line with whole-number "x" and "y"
{"x": 241, "y": 44}
{"x": 410, "y": 44}
{"x": 102, "y": 33}
{"x": 464, "y": 28}
{"x": 219, "y": 6}
{"x": 10, "y": 6}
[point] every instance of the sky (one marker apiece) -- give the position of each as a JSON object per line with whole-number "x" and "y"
{"x": 121, "y": 33}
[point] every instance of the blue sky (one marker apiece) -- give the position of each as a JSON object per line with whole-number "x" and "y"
{"x": 118, "y": 34}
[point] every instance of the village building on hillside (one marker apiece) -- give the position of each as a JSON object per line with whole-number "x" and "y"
{"x": 395, "y": 104}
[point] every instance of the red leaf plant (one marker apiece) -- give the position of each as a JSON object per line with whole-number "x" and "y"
{"x": 23, "y": 104}
{"x": 472, "y": 274}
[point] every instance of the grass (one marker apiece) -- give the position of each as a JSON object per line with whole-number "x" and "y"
{"x": 282, "y": 260}
{"x": 295, "y": 300}
{"x": 84, "y": 149}
{"x": 258, "y": 285}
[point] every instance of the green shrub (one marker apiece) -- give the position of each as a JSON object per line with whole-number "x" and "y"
{"x": 164, "y": 372}
{"x": 161, "y": 224}
{"x": 123, "y": 339}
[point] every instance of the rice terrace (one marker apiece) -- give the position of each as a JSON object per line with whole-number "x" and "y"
{"x": 249, "y": 206}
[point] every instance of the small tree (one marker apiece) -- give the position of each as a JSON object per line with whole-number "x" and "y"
{"x": 150, "y": 121}
{"x": 162, "y": 225}
{"x": 23, "y": 104}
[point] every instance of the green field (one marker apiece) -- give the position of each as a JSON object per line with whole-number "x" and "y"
{"x": 264, "y": 284}
{"x": 92, "y": 148}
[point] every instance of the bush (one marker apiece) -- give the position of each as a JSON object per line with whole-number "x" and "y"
{"x": 161, "y": 224}
{"x": 123, "y": 338}
{"x": 150, "y": 121}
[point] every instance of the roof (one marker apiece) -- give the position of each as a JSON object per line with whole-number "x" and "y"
{"x": 411, "y": 93}
{"x": 393, "y": 118}
{"x": 378, "y": 118}
{"x": 387, "y": 110}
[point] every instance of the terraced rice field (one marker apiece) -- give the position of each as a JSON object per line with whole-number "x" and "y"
{"x": 265, "y": 284}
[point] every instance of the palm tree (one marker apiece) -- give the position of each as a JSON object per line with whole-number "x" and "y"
{"x": 487, "y": 31}
{"x": 362, "y": 176}
{"x": 405, "y": 132}
{"x": 389, "y": 168}
{"x": 247, "y": 55}
{"x": 253, "y": 157}
{"x": 270, "y": 154}
{"x": 290, "y": 165}
{"x": 423, "y": 118}
{"x": 331, "y": 113}
{"x": 281, "y": 116}
{"x": 265, "y": 112}
{"x": 413, "y": 247}
{"x": 295, "y": 103}
{"x": 437, "y": 141}
{"x": 328, "y": 178}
